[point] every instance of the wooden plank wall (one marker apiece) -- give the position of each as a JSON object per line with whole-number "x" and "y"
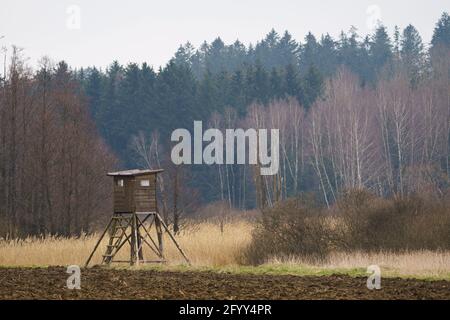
{"x": 145, "y": 196}
{"x": 123, "y": 197}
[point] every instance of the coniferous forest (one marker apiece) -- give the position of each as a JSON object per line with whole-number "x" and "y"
{"x": 133, "y": 103}
{"x": 357, "y": 111}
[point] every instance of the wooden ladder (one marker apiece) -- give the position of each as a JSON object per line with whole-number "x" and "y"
{"x": 118, "y": 237}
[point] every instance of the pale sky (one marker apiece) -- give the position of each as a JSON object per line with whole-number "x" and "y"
{"x": 151, "y": 31}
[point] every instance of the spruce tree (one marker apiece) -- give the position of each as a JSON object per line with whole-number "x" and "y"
{"x": 441, "y": 35}
{"x": 312, "y": 86}
{"x": 412, "y": 54}
{"x": 380, "y": 51}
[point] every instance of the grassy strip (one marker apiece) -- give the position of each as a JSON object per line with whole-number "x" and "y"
{"x": 267, "y": 269}
{"x": 286, "y": 269}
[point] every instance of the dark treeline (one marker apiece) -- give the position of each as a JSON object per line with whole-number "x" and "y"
{"x": 126, "y": 100}
{"x": 197, "y": 84}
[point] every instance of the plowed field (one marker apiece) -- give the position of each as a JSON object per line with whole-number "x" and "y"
{"x": 101, "y": 283}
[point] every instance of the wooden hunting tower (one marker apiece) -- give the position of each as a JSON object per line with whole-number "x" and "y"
{"x": 135, "y": 190}
{"x": 135, "y": 212}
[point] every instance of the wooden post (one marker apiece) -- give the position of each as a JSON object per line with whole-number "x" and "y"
{"x": 174, "y": 240}
{"x": 159, "y": 234}
{"x": 133, "y": 241}
{"x": 140, "y": 254}
{"x": 98, "y": 243}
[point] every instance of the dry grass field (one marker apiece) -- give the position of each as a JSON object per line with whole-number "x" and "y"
{"x": 207, "y": 247}
{"x": 204, "y": 244}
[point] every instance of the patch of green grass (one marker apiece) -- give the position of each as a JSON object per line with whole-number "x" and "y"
{"x": 285, "y": 269}
{"x": 33, "y": 266}
{"x": 266, "y": 269}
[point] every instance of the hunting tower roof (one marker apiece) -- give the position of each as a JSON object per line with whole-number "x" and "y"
{"x": 134, "y": 172}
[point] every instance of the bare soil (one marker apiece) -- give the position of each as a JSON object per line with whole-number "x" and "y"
{"x": 104, "y": 283}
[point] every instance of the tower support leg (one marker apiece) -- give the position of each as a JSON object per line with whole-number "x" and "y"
{"x": 98, "y": 243}
{"x": 126, "y": 228}
{"x": 159, "y": 234}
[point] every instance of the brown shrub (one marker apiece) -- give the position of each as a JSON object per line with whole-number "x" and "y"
{"x": 398, "y": 224}
{"x": 359, "y": 221}
{"x": 293, "y": 227}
